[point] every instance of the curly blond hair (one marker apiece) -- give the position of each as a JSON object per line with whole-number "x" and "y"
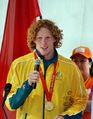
{"x": 35, "y": 27}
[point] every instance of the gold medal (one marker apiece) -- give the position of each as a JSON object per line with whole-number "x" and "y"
{"x": 49, "y": 106}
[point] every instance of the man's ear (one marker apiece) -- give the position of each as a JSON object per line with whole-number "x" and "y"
{"x": 34, "y": 41}
{"x": 54, "y": 40}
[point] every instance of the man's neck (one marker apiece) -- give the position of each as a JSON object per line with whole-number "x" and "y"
{"x": 52, "y": 57}
{"x": 49, "y": 57}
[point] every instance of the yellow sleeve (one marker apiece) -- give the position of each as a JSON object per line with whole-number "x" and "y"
{"x": 12, "y": 78}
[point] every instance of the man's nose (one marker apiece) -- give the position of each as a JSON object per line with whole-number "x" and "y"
{"x": 43, "y": 41}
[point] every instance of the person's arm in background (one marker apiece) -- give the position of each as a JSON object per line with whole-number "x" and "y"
{"x": 89, "y": 102}
{"x": 88, "y": 107}
{"x": 89, "y": 95}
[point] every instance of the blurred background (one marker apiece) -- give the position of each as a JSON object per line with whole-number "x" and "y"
{"x": 74, "y": 17}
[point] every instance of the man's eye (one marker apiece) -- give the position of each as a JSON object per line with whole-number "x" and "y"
{"x": 39, "y": 38}
{"x": 48, "y": 38}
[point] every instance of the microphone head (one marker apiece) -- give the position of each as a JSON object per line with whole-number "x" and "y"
{"x": 7, "y": 90}
{"x": 8, "y": 87}
{"x": 37, "y": 62}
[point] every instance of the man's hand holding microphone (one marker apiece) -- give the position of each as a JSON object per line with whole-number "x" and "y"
{"x": 34, "y": 76}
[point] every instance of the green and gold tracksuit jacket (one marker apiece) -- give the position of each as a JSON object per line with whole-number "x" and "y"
{"x": 69, "y": 95}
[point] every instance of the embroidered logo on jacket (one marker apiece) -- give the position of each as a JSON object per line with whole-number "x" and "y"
{"x": 58, "y": 76}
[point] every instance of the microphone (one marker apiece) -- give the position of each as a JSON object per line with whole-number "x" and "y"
{"x": 7, "y": 90}
{"x": 36, "y": 68}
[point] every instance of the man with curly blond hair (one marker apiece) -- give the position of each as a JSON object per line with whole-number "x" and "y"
{"x": 56, "y": 90}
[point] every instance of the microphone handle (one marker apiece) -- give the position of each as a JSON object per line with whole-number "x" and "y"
{"x": 35, "y": 69}
{"x": 34, "y": 85}
{"x": 4, "y": 113}
{"x": 3, "y": 101}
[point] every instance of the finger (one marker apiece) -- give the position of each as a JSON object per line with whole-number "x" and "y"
{"x": 34, "y": 77}
{"x": 34, "y": 72}
{"x": 32, "y": 81}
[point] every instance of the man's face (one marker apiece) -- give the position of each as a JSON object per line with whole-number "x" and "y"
{"x": 45, "y": 43}
{"x": 83, "y": 64}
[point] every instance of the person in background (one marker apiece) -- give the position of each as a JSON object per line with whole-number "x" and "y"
{"x": 57, "y": 90}
{"x": 82, "y": 56}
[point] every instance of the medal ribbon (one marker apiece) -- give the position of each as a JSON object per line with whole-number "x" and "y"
{"x": 50, "y": 92}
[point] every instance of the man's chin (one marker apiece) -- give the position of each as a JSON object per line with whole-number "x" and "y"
{"x": 43, "y": 53}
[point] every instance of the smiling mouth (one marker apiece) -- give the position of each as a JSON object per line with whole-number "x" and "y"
{"x": 44, "y": 48}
